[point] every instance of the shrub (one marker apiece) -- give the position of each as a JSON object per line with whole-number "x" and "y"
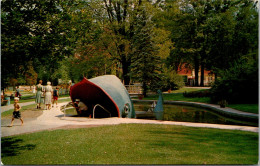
{"x": 172, "y": 80}
{"x": 239, "y": 84}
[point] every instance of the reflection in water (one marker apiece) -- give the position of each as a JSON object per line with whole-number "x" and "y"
{"x": 191, "y": 114}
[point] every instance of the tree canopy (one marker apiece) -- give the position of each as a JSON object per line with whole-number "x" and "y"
{"x": 139, "y": 40}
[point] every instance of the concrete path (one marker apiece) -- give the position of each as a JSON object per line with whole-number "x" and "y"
{"x": 54, "y": 118}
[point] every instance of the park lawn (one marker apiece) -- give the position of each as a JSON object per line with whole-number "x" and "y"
{"x": 132, "y": 144}
{"x": 24, "y": 108}
{"x": 30, "y": 107}
{"x": 188, "y": 89}
{"x": 253, "y": 108}
{"x": 178, "y": 97}
{"x": 29, "y": 98}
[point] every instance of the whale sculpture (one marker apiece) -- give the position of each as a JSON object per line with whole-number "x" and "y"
{"x": 105, "y": 96}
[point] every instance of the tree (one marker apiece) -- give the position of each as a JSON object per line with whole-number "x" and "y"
{"x": 180, "y": 18}
{"x": 209, "y": 34}
{"x": 13, "y": 82}
{"x": 38, "y": 31}
{"x": 228, "y": 34}
{"x": 238, "y": 84}
{"x": 30, "y": 75}
{"x": 120, "y": 16}
{"x": 145, "y": 62}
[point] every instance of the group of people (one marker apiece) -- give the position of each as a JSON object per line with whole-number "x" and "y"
{"x": 50, "y": 96}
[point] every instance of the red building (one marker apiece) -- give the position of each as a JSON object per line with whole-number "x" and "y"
{"x": 188, "y": 73}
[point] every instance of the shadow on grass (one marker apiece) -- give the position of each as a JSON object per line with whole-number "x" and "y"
{"x": 14, "y": 146}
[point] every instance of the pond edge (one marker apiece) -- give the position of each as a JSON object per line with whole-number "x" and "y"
{"x": 230, "y": 112}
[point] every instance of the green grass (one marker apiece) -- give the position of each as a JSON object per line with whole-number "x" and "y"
{"x": 24, "y": 108}
{"x": 187, "y": 89}
{"x": 253, "y": 108}
{"x": 179, "y": 97}
{"x": 132, "y": 144}
{"x": 30, "y": 107}
{"x": 29, "y": 99}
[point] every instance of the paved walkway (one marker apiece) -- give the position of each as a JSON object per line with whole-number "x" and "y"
{"x": 54, "y": 118}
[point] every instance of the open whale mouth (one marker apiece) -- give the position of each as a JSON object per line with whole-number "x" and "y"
{"x": 93, "y": 95}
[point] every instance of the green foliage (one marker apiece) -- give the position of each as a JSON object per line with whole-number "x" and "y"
{"x": 13, "y": 82}
{"x": 30, "y": 74}
{"x": 62, "y": 72}
{"x": 144, "y": 67}
{"x": 171, "y": 80}
{"x": 238, "y": 84}
{"x": 43, "y": 32}
{"x": 112, "y": 36}
{"x": 209, "y": 34}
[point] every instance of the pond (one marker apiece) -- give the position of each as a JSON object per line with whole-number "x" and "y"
{"x": 188, "y": 114}
{"x": 181, "y": 113}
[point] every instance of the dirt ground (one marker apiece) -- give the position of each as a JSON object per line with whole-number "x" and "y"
{"x": 34, "y": 113}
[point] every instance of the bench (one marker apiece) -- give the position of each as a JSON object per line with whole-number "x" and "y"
{"x": 3, "y": 101}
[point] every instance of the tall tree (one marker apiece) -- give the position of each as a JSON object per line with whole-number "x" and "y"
{"x": 145, "y": 60}
{"x": 120, "y": 14}
{"x": 232, "y": 33}
{"x": 180, "y": 18}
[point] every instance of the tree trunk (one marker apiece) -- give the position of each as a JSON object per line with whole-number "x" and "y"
{"x": 202, "y": 74}
{"x": 216, "y": 77}
{"x": 125, "y": 66}
{"x": 196, "y": 64}
{"x": 144, "y": 89}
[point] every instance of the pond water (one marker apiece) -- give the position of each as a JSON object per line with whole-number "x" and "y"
{"x": 181, "y": 114}
{"x": 188, "y": 114}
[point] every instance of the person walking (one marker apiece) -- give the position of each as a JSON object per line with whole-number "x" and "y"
{"x": 16, "y": 112}
{"x": 48, "y": 95}
{"x": 38, "y": 97}
{"x": 33, "y": 89}
{"x": 55, "y": 96}
{"x": 17, "y": 92}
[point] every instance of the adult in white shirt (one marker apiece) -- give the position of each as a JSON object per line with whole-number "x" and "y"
{"x": 80, "y": 106}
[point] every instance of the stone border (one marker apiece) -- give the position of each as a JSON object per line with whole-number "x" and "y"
{"x": 230, "y": 112}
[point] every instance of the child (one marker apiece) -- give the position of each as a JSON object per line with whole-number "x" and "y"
{"x": 16, "y": 113}
{"x": 55, "y": 96}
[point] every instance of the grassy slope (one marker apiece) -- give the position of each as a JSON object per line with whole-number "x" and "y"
{"x": 132, "y": 144}
{"x": 253, "y": 108}
{"x": 178, "y": 96}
